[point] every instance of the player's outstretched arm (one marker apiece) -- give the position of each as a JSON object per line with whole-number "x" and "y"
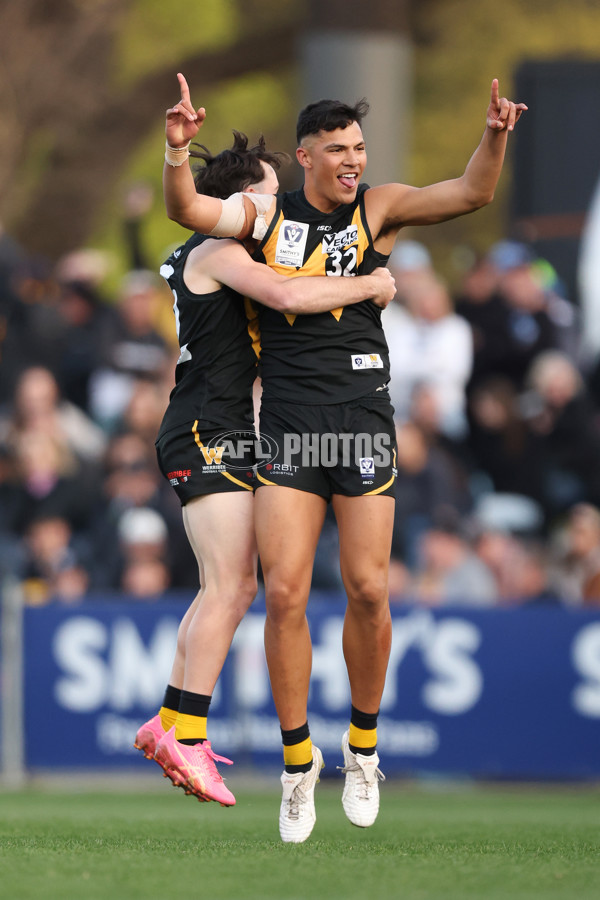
{"x": 228, "y": 263}
{"x": 184, "y": 205}
{"x": 391, "y": 206}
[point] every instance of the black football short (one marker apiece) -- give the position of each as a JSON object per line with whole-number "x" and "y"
{"x": 196, "y": 461}
{"x": 347, "y": 448}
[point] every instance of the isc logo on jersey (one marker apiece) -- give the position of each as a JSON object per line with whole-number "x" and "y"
{"x": 340, "y": 240}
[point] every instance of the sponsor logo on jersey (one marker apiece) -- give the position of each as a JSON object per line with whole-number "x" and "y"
{"x": 281, "y": 469}
{"x": 178, "y": 475}
{"x": 323, "y": 227}
{"x": 212, "y": 455}
{"x": 291, "y": 243}
{"x": 238, "y": 450}
{"x": 340, "y": 240}
{"x": 366, "y": 361}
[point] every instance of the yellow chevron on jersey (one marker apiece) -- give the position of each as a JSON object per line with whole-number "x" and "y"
{"x": 311, "y": 358}
{"x": 253, "y": 324}
{"x": 337, "y": 252}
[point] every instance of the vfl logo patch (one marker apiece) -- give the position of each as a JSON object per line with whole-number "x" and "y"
{"x": 367, "y": 466}
{"x": 366, "y": 361}
{"x": 291, "y": 243}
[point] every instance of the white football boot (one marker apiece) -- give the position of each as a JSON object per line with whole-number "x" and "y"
{"x": 297, "y": 815}
{"x": 361, "y": 791}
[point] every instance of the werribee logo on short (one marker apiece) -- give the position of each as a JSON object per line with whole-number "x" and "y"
{"x": 239, "y": 450}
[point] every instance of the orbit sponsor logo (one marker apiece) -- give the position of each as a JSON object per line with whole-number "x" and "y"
{"x": 238, "y": 450}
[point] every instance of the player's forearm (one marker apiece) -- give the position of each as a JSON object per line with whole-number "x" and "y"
{"x": 314, "y": 294}
{"x": 184, "y": 206}
{"x": 483, "y": 169}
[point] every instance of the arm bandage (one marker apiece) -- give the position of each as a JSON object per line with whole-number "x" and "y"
{"x": 233, "y": 215}
{"x": 176, "y": 156}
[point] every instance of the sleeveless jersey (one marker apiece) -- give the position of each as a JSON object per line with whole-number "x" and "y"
{"x": 217, "y": 362}
{"x": 329, "y": 357}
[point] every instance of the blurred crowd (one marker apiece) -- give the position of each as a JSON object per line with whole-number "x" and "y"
{"x": 498, "y": 426}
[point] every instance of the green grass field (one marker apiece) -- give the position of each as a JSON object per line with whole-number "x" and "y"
{"x": 142, "y": 843}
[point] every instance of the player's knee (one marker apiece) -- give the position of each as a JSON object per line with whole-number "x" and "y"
{"x": 237, "y": 595}
{"x": 368, "y": 594}
{"x": 285, "y": 603}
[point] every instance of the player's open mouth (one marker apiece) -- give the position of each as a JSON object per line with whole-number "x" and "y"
{"x": 348, "y": 179}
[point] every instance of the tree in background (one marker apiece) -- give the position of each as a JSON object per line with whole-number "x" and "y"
{"x": 83, "y": 84}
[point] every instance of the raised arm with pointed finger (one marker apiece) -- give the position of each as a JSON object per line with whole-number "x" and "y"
{"x": 392, "y": 206}
{"x": 184, "y": 205}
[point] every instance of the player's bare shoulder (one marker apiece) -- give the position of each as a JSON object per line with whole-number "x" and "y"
{"x": 383, "y": 207}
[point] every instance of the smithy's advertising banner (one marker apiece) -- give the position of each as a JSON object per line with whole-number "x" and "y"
{"x": 493, "y": 693}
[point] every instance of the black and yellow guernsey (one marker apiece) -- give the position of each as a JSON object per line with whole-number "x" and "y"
{"x": 329, "y": 357}
{"x": 218, "y": 353}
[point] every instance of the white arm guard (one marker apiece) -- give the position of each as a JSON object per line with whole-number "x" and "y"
{"x": 233, "y": 215}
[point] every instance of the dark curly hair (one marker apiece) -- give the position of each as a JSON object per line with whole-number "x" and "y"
{"x": 327, "y": 115}
{"x": 233, "y": 170}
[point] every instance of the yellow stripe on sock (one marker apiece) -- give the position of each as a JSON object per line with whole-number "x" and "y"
{"x": 298, "y": 754}
{"x": 168, "y": 717}
{"x": 187, "y": 727}
{"x": 362, "y": 737}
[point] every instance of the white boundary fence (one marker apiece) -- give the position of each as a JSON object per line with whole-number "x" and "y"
{"x": 12, "y": 756}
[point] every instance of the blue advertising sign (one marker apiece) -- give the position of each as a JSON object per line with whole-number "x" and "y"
{"x": 489, "y": 693}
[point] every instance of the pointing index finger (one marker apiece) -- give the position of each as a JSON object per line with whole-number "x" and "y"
{"x": 495, "y": 94}
{"x": 183, "y": 86}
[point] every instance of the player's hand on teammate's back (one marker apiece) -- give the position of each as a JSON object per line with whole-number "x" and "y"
{"x": 183, "y": 121}
{"x": 386, "y": 285}
{"x": 503, "y": 113}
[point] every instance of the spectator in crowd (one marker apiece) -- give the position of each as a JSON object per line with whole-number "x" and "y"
{"x": 501, "y": 444}
{"x": 428, "y": 480}
{"x": 561, "y": 416}
{"x": 52, "y": 567}
{"x": 88, "y": 323}
{"x": 498, "y": 549}
{"x": 479, "y": 303}
{"x": 512, "y": 324}
{"x": 143, "y": 414}
{"x": 529, "y": 576}
{"x": 143, "y": 545}
{"x": 578, "y": 571}
{"x": 134, "y": 350}
{"x": 132, "y": 481}
{"x": 39, "y": 407}
{"x": 34, "y": 330}
{"x": 431, "y": 345}
{"x": 449, "y": 572}
{"x": 49, "y": 481}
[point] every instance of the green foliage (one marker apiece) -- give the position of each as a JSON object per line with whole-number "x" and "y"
{"x": 460, "y": 45}
{"x": 156, "y": 33}
{"x": 471, "y": 843}
{"x": 463, "y": 44}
